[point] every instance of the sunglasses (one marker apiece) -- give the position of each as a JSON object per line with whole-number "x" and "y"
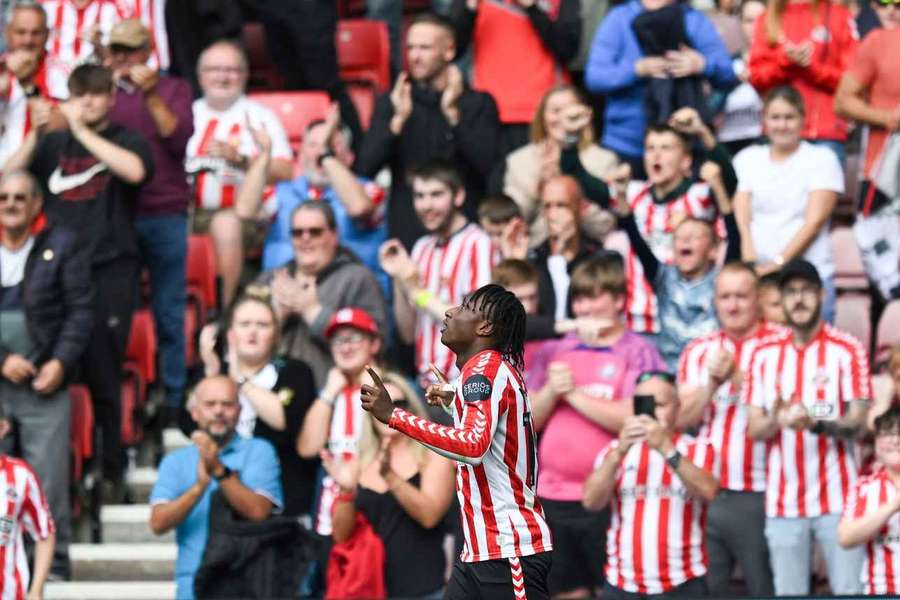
{"x": 887, "y": 3}
{"x": 18, "y": 198}
{"x": 664, "y": 375}
{"x": 313, "y": 232}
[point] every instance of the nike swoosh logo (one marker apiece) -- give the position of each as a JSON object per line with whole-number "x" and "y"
{"x": 60, "y": 183}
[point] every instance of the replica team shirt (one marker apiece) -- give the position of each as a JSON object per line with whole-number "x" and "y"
{"x": 742, "y": 461}
{"x": 881, "y": 570}
{"x": 343, "y": 440}
{"x": 215, "y": 181}
{"x": 22, "y": 507}
{"x": 656, "y": 222}
{"x": 655, "y": 541}
{"x": 70, "y": 43}
{"x": 808, "y": 474}
{"x": 450, "y": 270}
{"x": 492, "y": 442}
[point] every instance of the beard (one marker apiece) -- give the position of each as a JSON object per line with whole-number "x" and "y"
{"x": 808, "y": 323}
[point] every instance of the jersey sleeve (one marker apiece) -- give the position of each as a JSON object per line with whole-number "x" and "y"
{"x": 753, "y": 392}
{"x": 482, "y": 400}
{"x": 856, "y": 381}
{"x": 36, "y": 518}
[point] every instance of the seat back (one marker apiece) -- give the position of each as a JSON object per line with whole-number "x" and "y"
{"x": 201, "y": 268}
{"x": 888, "y": 333}
{"x": 849, "y": 273}
{"x": 363, "y": 51}
{"x": 142, "y": 344}
{"x": 853, "y": 314}
{"x": 296, "y": 110}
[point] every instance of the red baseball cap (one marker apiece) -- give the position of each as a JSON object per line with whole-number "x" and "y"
{"x": 352, "y": 317}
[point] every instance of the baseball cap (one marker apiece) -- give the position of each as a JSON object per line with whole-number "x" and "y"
{"x": 799, "y": 269}
{"x": 130, "y": 33}
{"x": 352, "y": 317}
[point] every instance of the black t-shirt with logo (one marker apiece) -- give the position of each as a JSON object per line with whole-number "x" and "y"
{"x": 81, "y": 192}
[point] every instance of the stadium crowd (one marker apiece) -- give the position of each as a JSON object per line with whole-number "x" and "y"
{"x": 656, "y": 181}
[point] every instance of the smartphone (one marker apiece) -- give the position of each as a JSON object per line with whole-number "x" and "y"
{"x": 645, "y": 405}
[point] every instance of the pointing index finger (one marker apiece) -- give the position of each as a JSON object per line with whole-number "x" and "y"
{"x": 437, "y": 373}
{"x": 375, "y": 378}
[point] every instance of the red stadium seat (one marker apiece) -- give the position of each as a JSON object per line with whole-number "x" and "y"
{"x": 363, "y": 98}
{"x": 363, "y": 50}
{"x": 888, "y": 333}
{"x": 853, "y": 314}
{"x": 141, "y": 351}
{"x": 296, "y": 110}
{"x": 263, "y": 74}
{"x": 849, "y": 273}
{"x": 82, "y": 429}
{"x": 139, "y": 371}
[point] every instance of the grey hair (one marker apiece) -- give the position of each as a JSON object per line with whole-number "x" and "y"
{"x": 26, "y": 5}
{"x": 234, "y": 45}
{"x": 31, "y": 179}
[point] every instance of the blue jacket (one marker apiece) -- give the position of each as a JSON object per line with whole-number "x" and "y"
{"x": 610, "y": 71}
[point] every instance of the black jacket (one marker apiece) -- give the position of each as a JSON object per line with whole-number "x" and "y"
{"x": 245, "y": 559}
{"x": 472, "y": 144}
{"x": 57, "y": 297}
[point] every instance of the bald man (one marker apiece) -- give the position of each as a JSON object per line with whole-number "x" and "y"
{"x": 45, "y": 321}
{"x": 246, "y": 470}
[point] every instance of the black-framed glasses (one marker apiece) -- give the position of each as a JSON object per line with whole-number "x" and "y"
{"x": 648, "y": 375}
{"x": 18, "y": 198}
{"x": 313, "y": 232}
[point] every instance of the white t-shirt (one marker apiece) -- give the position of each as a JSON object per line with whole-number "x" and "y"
{"x": 780, "y": 195}
{"x": 559, "y": 275}
{"x": 266, "y": 378}
{"x": 12, "y": 263}
{"x": 217, "y": 182}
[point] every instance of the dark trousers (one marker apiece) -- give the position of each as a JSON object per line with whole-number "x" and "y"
{"x": 692, "y": 588}
{"x": 163, "y": 242}
{"x": 501, "y": 579}
{"x": 735, "y": 534}
{"x": 115, "y": 298}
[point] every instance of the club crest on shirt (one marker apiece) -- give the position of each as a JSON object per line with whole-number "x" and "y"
{"x": 11, "y": 494}
{"x": 476, "y": 388}
{"x": 607, "y": 371}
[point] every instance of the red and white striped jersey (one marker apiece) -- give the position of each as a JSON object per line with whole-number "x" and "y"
{"x": 881, "y": 570}
{"x": 14, "y": 113}
{"x": 492, "y": 442}
{"x": 809, "y": 475}
{"x": 450, "y": 270}
{"x": 655, "y": 539}
{"x": 152, "y": 13}
{"x": 22, "y": 507}
{"x": 70, "y": 29}
{"x": 215, "y": 181}
{"x": 656, "y": 222}
{"x": 742, "y": 461}
{"x": 343, "y": 440}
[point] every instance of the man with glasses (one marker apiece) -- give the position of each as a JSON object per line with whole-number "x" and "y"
{"x": 711, "y": 372}
{"x": 45, "y": 321}
{"x": 322, "y": 278}
{"x": 808, "y": 390}
{"x": 159, "y": 108}
{"x": 91, "y": 174}
{"x": 219, "y": 153}
{"x": 658, "y": 484}
{"x": 872, "y": 513}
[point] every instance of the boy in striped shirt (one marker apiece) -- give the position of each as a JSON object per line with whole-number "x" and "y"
{"x": 658, "y": 484}
{"x": 452, "y": 260}
{"x": 809, "y": 390}
{"x": 872, "y": 513}
{"x": 507, "y": 542}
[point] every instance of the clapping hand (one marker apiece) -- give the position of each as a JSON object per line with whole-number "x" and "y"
{"x": 145, "y": 78}
{"x": 261, "y": 138}
{"x": 684, "y": 62}
{"x": 376, "y": 399}
{"x": 721, "y": 367}
{"x": 560, "y": 379}
{"x": 344, "y": 470}
{"x": 799, "y": 54}
{"x": 395, "y": 261}
{"x": 209, "y": 453}
{"x": 514, "y": 239}
{"x": 451, "y": 94}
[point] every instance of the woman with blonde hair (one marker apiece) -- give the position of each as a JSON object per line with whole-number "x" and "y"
{"x": 404, "y": 493}
{"x": 807, "y": 44}
{"x": 558, "y": 123}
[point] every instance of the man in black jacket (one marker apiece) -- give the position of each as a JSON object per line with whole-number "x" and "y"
{"x": 430, "y": 113}
{"x": 45, "y": 320}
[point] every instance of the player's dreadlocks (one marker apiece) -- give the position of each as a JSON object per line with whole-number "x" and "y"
{"x": 503, "y": 310}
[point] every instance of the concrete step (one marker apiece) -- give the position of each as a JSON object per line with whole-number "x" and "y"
{"x": 140, "y": 482}
{"x": 110, "y": 590}
{"x": 130, "y": 524}
{"x": 173, "y": 439}
{"x": 123, "y": 562}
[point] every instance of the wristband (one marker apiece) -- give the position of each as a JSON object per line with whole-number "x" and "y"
{"x": 422, "y": 298}
{"x": 327, "y": 400}
{"x": 673, "y": 459}
{"x": 345, "y": 497}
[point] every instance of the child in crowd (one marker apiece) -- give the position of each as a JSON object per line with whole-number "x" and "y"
{"x": 521, "y": 278}
{"x": 770, "y": 299}
{"x": 669, "y": 195}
